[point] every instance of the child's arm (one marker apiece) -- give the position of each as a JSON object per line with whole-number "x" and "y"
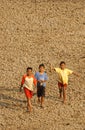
{"x": 21, "y": 87}
{"x": 43, "y": 81}
{"x": 34, "y": 81}
{"x": 51, "y": 68}
{"x": 22, "y": 82}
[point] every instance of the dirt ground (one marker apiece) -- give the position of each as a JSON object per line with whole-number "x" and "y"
{"x": 34, "y": 32}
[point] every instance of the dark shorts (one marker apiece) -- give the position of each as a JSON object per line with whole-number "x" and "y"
{"x": 40, "y": 91}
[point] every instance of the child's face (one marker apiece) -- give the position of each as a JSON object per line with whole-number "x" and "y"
{"x": 62, "y": 66}
{"x": 29, "y": 72}
{"x": 41, "y": 69}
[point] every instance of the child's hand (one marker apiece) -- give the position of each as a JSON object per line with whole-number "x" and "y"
{"x": 20, "y": 89}
{"x": 41, "y": 81}
{"x": 76, "y": 74}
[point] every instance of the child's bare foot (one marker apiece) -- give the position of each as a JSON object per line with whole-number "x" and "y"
{"x": 29, "y": 109}
{"x": 42, "y": 106}
{"x": 64, "y": 101}
{"x": 60, "y": 97}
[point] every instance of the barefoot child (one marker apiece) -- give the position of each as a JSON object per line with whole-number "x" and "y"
{"x": 28, "y": 81}
{"x": 41, "y": 77}
{"x": 63, "y": 74}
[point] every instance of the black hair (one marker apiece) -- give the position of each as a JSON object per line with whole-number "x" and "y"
{"x": 62, "y": 62}
{"x": 29, "y": 68}
{"x": 41, "y": 65}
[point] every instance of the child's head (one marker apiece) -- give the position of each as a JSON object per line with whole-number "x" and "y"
{"x": 29, "y": 71}
{"x": 41, "y": 67}
{"x": 62, "y": 65}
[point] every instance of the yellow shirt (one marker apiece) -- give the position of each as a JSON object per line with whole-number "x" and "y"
{"x": 63, "y": 75}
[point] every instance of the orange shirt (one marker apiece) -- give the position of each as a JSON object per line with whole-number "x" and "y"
{"x": 29, "y": 82}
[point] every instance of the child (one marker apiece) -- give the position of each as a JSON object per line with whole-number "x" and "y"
{"x": 41, "y": 77}
{"x": 63, "y": 74}
{"x": 28, "y": 81}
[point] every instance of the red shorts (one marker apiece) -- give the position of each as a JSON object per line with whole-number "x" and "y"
{"x": 28, "y": 93}
{"x": 60, "y": 85}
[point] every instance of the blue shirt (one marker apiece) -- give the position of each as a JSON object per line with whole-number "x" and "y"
{"x": 43, "y": 76}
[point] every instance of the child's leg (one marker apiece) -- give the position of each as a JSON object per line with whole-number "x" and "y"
{"x": 29, "y": 105}
{"x": 42, "y": 100}
{"x": 42, "y": 95}
{"x": 60, "y": 89}
{"x": 39, "y": 94}
{"x": 29, "y": 95}
{"x": 64, "y": 94}
{"x": 39, "y": 99}
{"x": 60, "y": 92}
